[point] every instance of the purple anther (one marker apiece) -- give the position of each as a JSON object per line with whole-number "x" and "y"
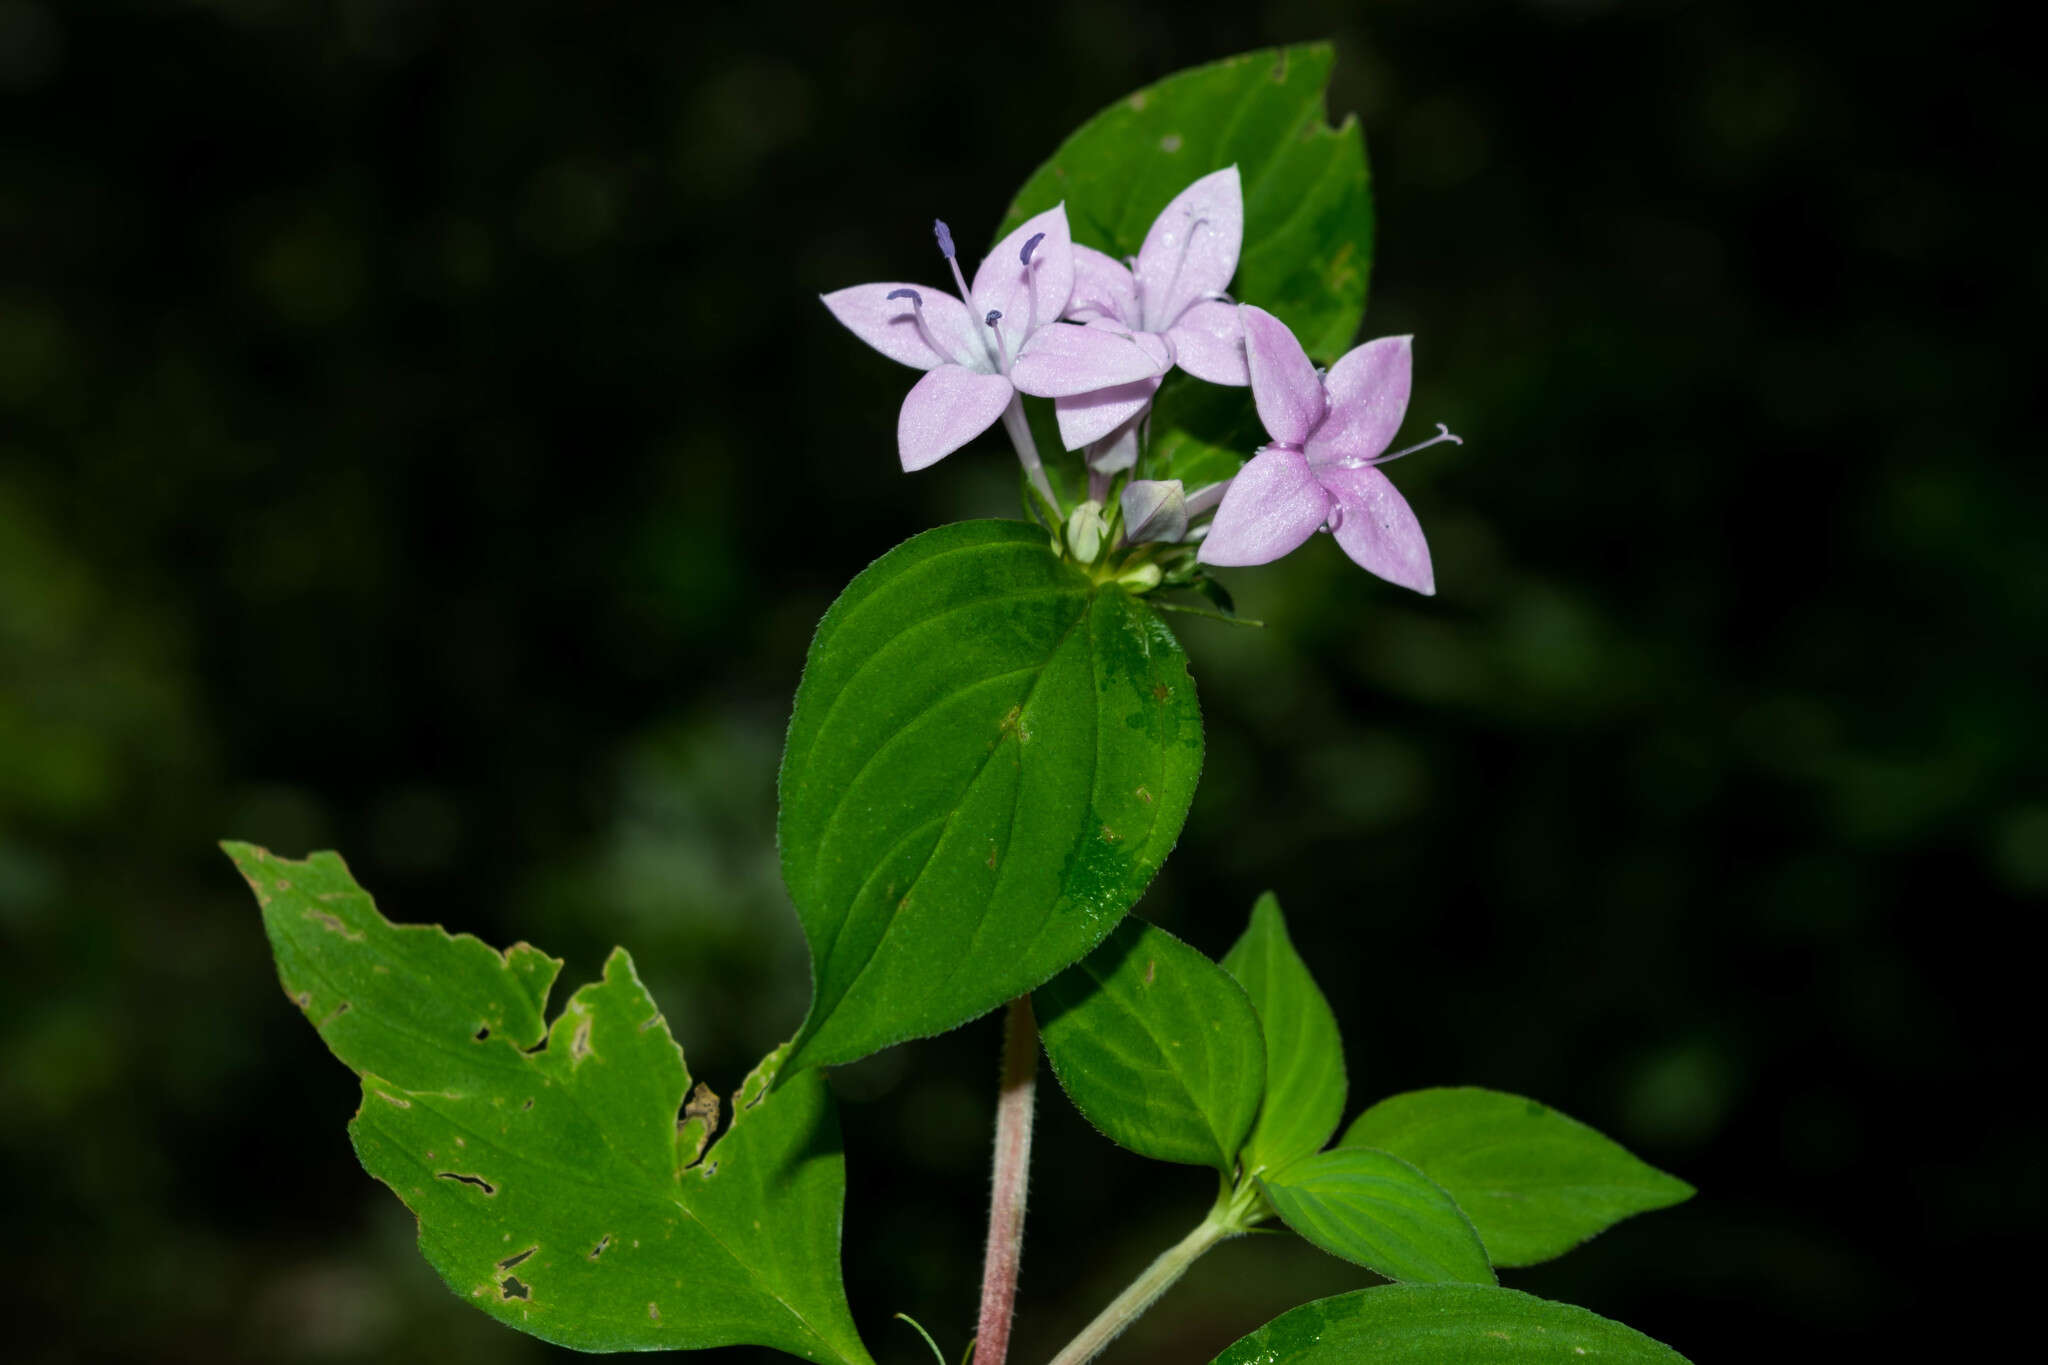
{"x": 945, "y": 236}
{"x": 1030, "y": 246}
{"x": 916, "y": 299}
{"x": 993, "y": 317}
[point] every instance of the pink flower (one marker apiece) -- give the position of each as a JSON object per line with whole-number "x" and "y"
{"x": 1329, "y": 434}
{"x": 1001, "y": 337}
{"x": 1174, "y": 294}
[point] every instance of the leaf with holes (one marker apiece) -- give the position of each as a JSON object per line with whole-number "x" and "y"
{"x": 1535, "y": 1183}
{"x": 555, "y": 1170}
{"x": 1448, "y": 1324}
{"x": 1380, "y": 1212}
{"x": 1304, "y": 1055}
{"x": 990, "y": 756}
{"x": 1308, "y": 219}
{"x": 1157, "y": 1046}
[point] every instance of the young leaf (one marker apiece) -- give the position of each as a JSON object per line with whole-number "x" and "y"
{"x": 989, "y": 759}
{"x": 1535, "y": 1183}
{"x": 1308, "y": 218}
{"x": 1451, "y": 1324}
{"x": 1156, "y": 1046}
{"x": 1380, "y": 1212}
{"x": 1304, "y": 1056}
{"x": 547, "y": 1165}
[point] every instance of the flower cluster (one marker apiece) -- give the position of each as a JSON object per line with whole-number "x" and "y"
{"x": 1051, "y": 319}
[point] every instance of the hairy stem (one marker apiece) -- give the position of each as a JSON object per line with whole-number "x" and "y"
{"x": 1019, "y": 427}
{"x": 1235, "y": 1211}
{"x": 1004, "y": 1255}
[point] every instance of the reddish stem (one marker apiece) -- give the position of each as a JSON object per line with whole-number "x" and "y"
{"x": 1012, "y": 1167}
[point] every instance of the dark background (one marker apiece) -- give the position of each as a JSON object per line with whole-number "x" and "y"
{"x": 421, "y": 439}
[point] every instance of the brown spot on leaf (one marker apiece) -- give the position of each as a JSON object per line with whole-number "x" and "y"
{"x": 653, "y": 1313}
{"x": 1143, "y": 795}
{"x": 1170, "y": 143}
{"x": 1110, "y": 836}
{"x": 392, "y": 1099}
{"x": 517, "y": 1257}
{"x": 1161, "y": 692}
{"x": 514, "y": 1288}
{"x": 333, "y": 925}
{"x": 579, "y": 1042}
{"x": 1151, "y": 969}
{"x": 602, "y": 1243}
{"x": 695, "y": 1127}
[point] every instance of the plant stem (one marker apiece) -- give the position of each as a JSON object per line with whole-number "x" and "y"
{"x": 1004, "y": 1256}
{"x": 1236, "y": 1211}
{"x": 1144, "y": 1291}
{"x": 1019, "y": 427}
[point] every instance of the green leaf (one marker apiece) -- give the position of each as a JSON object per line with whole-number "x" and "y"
{"x": 1308, "y": 219}
{"x": 1304, "y": 1056}
{"x": 1307, "y": 203}
{"x": 554, "y": 1170}
{"x": 1535, "y": 1183}
{"x": 1377, "y": 1210}
{"x": 990, "y": 758}
{"x": 1157, "y": 1047}
{"x": 1402, "y": 1324}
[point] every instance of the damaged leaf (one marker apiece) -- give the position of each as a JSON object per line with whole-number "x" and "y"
{"x": 547, "y": 1163}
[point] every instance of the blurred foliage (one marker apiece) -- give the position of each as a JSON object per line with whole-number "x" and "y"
{"x": 417, "y": 437}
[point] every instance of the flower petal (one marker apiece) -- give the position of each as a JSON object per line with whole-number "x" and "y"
{"x": 1086, "y": 418}
{"x": 1378, "y": 529}
{"x": 1117, "y": 451}
{"x": 1272, "y": 506}
{"x": 1104, "y": 290}
{"x": 890, "y": 325}
{"x": 945, "y": 410}
{"x": 1066, "y": 358}
{"x": 1208, "y": 342}
{"x": 1028, "y": 296}
{"x": 1368, "y": 391}
{"x": 1285, "y": 387}
{"x": 1191, "y": 251}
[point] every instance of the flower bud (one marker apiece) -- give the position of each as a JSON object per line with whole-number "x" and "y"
{"x": 1085, "y": 529}
{"x": 1155, "y": 509}
{"x": 1144, "y": 578}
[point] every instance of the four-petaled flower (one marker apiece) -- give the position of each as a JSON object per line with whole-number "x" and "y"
{"x": 1175, "y": 294}
{"x": 1329, "y": 431}
{"x": 1001, "y": 337}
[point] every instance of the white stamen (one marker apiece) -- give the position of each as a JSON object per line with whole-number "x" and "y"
{"x": 1443, "y": 433}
